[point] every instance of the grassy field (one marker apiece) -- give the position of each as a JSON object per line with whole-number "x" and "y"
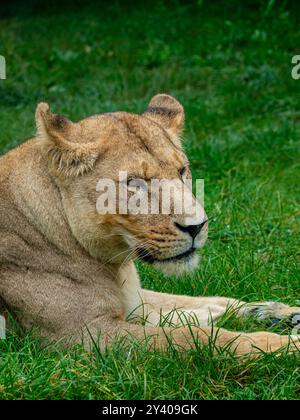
{"x": 230, "y": 65}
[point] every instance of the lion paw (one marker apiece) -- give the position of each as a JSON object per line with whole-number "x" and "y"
{"x": 274, "y": 313}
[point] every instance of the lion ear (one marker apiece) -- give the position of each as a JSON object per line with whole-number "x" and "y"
{"x": 49, "y": 125}
{"x": 168, "y": 112}
{"x": 60, "y": 138}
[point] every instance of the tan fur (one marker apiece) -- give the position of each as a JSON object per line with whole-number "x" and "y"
{"x": 66, "y": 269}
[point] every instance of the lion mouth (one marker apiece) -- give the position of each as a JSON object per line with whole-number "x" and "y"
{"x": 144, "y": 255}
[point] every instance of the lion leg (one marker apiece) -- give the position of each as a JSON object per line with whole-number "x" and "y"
{"x": 181, "y": 310}
{"x": 185, "y": 337}
{"x": 208, "y": 309}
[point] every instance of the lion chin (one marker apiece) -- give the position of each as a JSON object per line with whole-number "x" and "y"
{"x": 180, "y": 267}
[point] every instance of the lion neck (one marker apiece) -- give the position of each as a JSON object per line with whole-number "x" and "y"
{"x": 38, "y": 198}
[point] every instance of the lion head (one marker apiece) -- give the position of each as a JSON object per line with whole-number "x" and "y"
{"x": 145, "y": 147}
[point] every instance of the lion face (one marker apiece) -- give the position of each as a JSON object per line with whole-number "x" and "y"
{"x": 125, "y": 184}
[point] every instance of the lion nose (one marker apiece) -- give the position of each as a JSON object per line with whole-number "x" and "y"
{"x": 193, "y": 230}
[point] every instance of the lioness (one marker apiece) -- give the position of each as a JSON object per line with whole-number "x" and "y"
{"x": 69, "y": 270}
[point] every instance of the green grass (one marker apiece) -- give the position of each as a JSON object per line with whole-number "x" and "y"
{"x": 229, "y": 64}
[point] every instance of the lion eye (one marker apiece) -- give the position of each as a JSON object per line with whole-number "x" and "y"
{"x": 182, "y": 171}
{"x": 137, "y": 183}
{"x": 130, "y": 181}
